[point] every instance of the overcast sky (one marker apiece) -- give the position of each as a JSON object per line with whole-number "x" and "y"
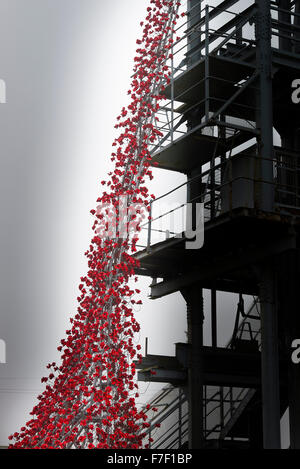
{"x": 67, "y": 67}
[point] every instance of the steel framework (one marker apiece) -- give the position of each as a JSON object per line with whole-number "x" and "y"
{"x": 231, "y": 127}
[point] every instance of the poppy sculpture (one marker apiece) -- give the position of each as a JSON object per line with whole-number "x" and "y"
{"x": 89, "y": 399}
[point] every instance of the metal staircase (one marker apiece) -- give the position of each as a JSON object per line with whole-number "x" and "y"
{"x": 231, "y": 73}
{"x": 224, "y": 407}
{"x": 169, "y": 421}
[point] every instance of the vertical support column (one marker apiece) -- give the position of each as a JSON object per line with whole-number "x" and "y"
{"x": 265, "y": 113}
{"x": 194, "y": 38}
{"x": 285, "y": 30}
{"x": 269, "y": 361}
{"x": 149, "y": 228}
{"x": 206, "y": 63}
{"x": 214, "y": 334}
{"x": 213, "y": 207}
{"x": 194, "y": 299}
{"x": 195, "y": 190}
{"x": 296, "y": 34}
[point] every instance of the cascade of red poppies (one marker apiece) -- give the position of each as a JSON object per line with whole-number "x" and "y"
{"x": 89, "y": 400}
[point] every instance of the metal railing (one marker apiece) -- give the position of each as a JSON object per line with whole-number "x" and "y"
{"x": 210, "y": 31}
{"x": 217, "y": 32}
{"x": 227, "y": 184}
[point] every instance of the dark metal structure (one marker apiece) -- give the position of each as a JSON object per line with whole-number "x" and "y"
{"x": 231, "y": 126}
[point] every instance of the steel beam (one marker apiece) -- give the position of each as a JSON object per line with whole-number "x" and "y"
{"x": 222, "y": 266}
{"x": 220, "y": 366}
{"x": 214, "y": 325}
{"x": 265, "y": 113}
{"x": 194, "y": 38}
{"x": 270, "y": 361}
{"x": 194, "y": 299}
{"x": 285, "y": 43}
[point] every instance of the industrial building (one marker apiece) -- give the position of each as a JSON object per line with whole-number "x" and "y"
{"x": 230, "y": 124}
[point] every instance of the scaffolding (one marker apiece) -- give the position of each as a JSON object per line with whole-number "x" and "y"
{"x": 230, "y": 126}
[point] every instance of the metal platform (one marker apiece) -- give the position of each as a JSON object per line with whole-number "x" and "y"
{"x": 231, "y": 82}
{"x": 188, "y": 86}
{"x": 221, "y": 366}
{"x": 186, "y": 153}
{"x": 224, "y": 76}
{"x": 244, "y": 230}
{"x": 194, "y": 149}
